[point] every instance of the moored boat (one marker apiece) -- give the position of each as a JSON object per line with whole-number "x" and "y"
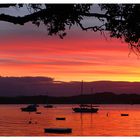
{"x": 58, "y": 130}
{"x": 84, "y": 108}
{"x": 48, "y": 106}
{"x": 29, "y": 108}
{"x": 60, "y": 118}
{"x": 124, "y": 114}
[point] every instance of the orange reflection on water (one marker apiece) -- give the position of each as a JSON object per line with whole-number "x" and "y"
{"x": 15, "y": 123}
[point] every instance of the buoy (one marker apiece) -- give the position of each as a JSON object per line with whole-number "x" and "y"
{"x": 107, "y": 114}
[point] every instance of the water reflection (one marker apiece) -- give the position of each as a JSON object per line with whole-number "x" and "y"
{"x": 107, "y": 122}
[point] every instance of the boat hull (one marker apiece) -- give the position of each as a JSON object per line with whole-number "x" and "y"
{"x": 85, "y": 110}
{"x": 60, "y": 118}
{"x": 124, "y": 114}
{"x": 29, "y": 109}
{"x": 58, "y": 130}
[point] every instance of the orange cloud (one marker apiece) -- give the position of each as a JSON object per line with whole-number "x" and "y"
{"x": 70, "y": 59}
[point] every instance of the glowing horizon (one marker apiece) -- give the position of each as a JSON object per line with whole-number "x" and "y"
{"x": 80, "y": 56}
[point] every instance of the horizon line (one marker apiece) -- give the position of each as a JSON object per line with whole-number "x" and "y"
{"x": 53, "y": 79}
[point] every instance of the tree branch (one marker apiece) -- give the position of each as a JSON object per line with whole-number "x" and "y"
{"x": 97, "y": 15}
{"x": 24, "y": 19}
{"x": 38, "y": 14}
{"x": 94, "y": 28}
{"x": 6, "y": 5}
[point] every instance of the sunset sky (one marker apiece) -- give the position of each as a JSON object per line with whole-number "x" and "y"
{"x": 29, "y": 51}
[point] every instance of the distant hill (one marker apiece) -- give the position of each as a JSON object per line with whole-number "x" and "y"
{"x": 97, "y": 98}
{"x": 47, "y": 86}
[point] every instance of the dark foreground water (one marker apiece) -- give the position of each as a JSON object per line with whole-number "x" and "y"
{"x": 13, "y": 122}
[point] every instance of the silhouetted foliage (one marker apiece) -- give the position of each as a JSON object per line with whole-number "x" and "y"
{"x": 97, "y": 98}
{"x": 120, "y": 20}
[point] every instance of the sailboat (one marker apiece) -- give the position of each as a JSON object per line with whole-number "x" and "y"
{"x": 84, "y": 108}
{"x": 48, "y": 106}
{"x": 29, "y": 108}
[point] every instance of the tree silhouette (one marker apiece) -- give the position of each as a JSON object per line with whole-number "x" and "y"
{"x": 120, "y": 20}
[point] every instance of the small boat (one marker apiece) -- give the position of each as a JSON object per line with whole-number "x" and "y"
{"x": 48, "y": 106}
{"x": 84, "y": 108}
{"x": 62, "y": 118}
{"x": 58, "y": 130}
{"x": 29, "y": 108}
{"x": 124, "y": 114}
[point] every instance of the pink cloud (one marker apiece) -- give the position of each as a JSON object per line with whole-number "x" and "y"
{"x": 68, "y": 59}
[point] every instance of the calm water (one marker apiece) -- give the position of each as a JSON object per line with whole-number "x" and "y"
{"x": 13, "y": 122}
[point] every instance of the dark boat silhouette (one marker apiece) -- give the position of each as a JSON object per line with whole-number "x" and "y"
{"x": 48, "y": 106}
{"x": 58, "y": 130}
{"x": 124, "y": 114}
{"x": 29, "y": 108}
{"x": 60, "y": 118}
{"x": 84, "y": 108}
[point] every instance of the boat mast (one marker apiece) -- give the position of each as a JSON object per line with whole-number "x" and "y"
{"x": 91, "y": 93}
{"x": 81, "y": 92}
{"x": 82, "y": 88}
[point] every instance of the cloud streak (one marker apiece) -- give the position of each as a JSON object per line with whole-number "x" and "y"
{"x": 81, "y": 55}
